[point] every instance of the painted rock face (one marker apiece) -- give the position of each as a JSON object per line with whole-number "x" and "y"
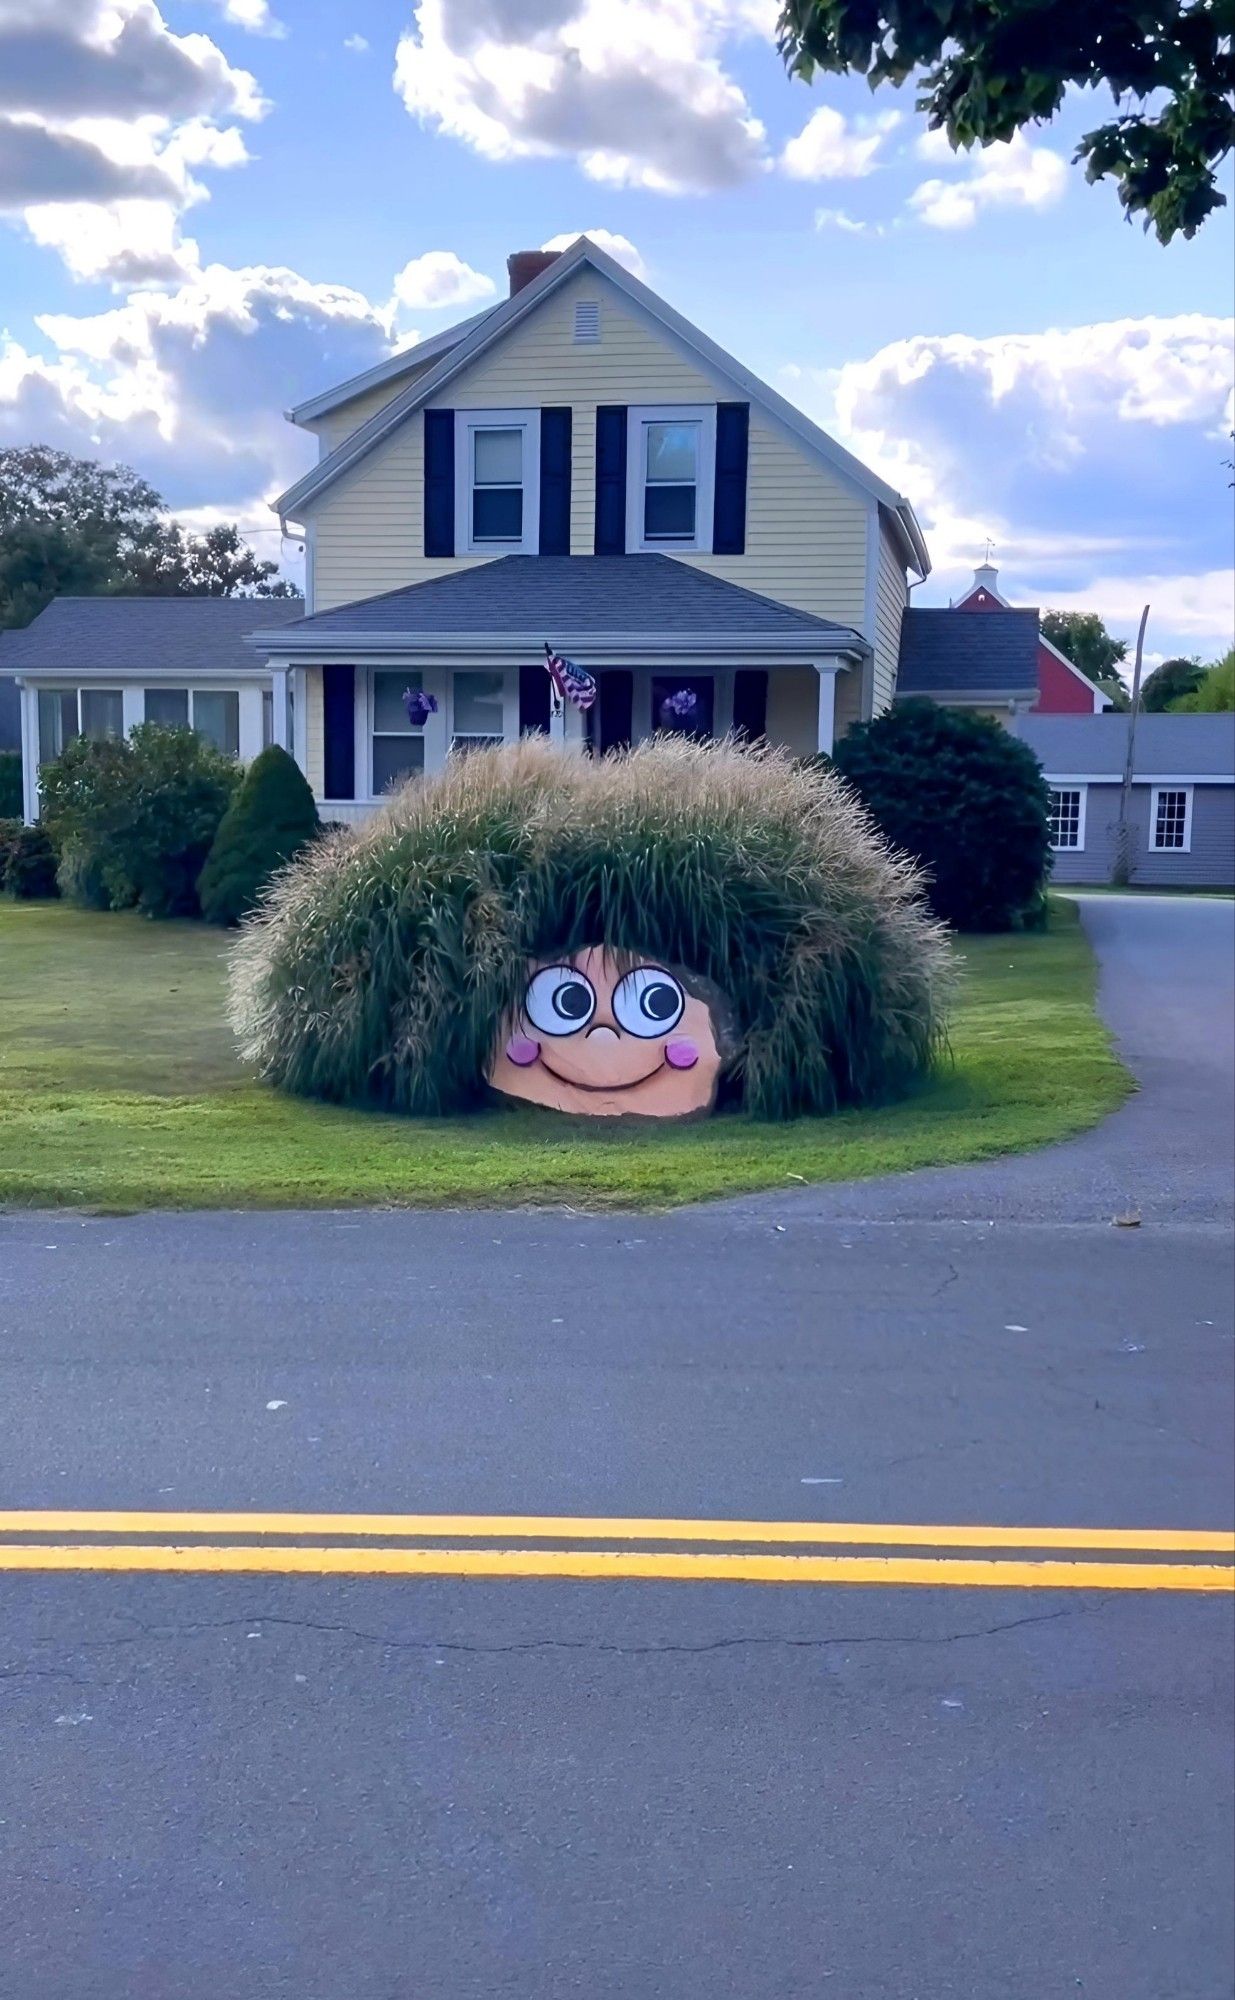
{"x": 595, "y": 1038}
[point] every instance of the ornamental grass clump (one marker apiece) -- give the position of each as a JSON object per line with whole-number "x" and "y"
{"x": 382, "y": 965}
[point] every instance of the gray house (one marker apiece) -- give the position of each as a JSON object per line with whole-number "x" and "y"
{"x": 1181, "y": 813}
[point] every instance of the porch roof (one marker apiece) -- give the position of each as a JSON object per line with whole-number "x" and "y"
{"x": 646, "y": 602}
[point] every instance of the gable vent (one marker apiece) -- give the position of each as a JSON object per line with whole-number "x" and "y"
{"x": 587, "y": 320}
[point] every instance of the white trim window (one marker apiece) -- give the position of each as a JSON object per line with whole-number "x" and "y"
{"x": 671, "y": 477}
{"x": 66, "y": 713}
{"x": 479, "y": 710}
{"x": 1067, "y": 818}
{"x": 396, "y": 744}
{"x": 213, "y": 713}
{"x": 1170, "y": 819}
{"x": 497, "y": 482}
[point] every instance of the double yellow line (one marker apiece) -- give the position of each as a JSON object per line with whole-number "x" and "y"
{"x": 724, "y": 1552}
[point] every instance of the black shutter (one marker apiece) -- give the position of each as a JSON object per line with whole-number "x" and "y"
{"x": 554, "y": 484}
{"x": 750, "y": 703}
{"x": 617, "y": 701}
{"x": 611, "y": 480}
{"x": 534, "y": 685}
{"x": 339, "y": 731}
{"x": 729, "y": 509}
{"x": 439, "y": 482}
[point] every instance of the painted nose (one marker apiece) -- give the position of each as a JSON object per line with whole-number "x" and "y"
{"x": 609, "y": 1034}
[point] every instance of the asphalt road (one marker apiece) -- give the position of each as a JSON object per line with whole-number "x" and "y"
{"x": 358, "y": 1789}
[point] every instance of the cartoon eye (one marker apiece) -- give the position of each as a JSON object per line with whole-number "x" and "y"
{"x": 559, "y": 1000}
{"x": 648, "y": 1002}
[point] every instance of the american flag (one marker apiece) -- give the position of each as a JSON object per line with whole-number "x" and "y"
{"x": 573, "y": 683}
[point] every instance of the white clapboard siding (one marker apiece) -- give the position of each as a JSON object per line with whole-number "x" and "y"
{"x": 806, "y": 528}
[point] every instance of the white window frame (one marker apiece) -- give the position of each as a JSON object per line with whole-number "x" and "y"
{"x": 637, "y": 421}
{"x": 433, "y": 731}
{"x": 467, "y": 423}
{"x": 510, "y": 702}
{"x": 1082, "y": 793}
{"x": 56, "y": 688}
{"x": 192, "y": 693}
{"x": 1155, "y": 794}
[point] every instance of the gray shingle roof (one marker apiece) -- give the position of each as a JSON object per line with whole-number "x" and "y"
{"x": 992, "y": 653}
{"x": 1178, "y": 746}
{"x": 144, "y": 634}
{"x": 539, "y": 597}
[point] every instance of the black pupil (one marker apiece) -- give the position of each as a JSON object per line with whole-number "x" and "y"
{"x": 572, "y": 1000}
{"x": 658, "y": 1002}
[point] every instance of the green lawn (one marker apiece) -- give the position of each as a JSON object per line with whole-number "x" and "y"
{"x": 119, "y": 1089}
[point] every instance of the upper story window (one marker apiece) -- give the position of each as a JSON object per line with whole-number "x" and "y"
{"x": 671, "y": 469}
{"x": 1067, "y": 817}
{"x": 1170, "y": 819}
{"x": 497, "y": 475}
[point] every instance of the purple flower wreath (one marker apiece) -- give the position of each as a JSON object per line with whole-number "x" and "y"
{"x": 419, "y": 705}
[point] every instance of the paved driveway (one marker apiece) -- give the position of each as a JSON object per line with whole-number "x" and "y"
{"x": 348, "y": 1788}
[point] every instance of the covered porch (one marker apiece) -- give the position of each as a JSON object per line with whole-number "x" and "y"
{"x": 345, "y": 681}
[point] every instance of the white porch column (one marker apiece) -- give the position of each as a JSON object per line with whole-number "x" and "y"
{"x": 826, "y": 731}
{"x": 300, "y": 718}
{"x": 132, "y": 707}
{"x": 567, "y": 729}
{"x": 280, "y": 728}
{"x": 29, "y": 753}
{"x": 249, "y": 705}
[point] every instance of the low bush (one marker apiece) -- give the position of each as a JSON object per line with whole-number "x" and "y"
{"x": 267, "y": 823}
{"x": 133, "y": 818}
{"x": 382, "y": 964}
{"x": 965, "y": 799}
{"x": 27, "y": 861}
{"x": 12, "y": 804}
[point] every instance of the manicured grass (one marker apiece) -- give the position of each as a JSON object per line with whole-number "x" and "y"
{"x": 119, "y": 1089}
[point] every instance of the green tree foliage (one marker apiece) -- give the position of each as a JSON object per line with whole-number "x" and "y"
{"x": 1082, "y": 638}
{"x": 987, "y": 68}
{"x": 10, "y": 784}
{"x": 963, "y": 798}
{"x": 133, "y": 818}
{"x": 1167, "y": 684}
{"x": 1214, "y": 693}
{"x": 27, "y": 861}
{"x": 69, "y": 526}
{"x": 381, "y": 966}
{"x": 267, "y": 823}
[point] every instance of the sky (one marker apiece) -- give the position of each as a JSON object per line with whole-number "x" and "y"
{"x": 212, "y": 209}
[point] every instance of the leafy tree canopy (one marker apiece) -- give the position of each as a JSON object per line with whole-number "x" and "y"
{"x": 1214, "y": 693}
{"x": 1168, "y": 683}
{"x": 1082, "y": 638}
{"x": 71, "y": 525}
{"x": 987, "y": 68}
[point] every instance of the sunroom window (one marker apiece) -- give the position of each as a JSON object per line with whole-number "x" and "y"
{"x": 213, "y": 712}
{"x": 65, "y": 713}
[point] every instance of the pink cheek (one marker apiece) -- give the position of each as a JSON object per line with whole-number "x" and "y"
{"x": 681, "y": 1054}
{"x": 522, "y": 1051}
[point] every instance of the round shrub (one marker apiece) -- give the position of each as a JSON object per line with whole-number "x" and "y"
{"x": 383, "y": 963}
{"x": 268, "y": 822}
{"x": 134, "y": 817}
{"x": 27, "y": 861}
{"x": 966, "y": 800}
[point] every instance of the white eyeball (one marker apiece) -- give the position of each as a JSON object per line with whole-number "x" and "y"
{"x": 560, "y": 1000}
{"x": 648, "y": 1002}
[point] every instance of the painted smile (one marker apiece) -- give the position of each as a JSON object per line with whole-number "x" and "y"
{"x": 575, "y": 1084}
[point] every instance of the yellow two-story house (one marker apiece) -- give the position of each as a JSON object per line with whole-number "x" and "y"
{"x": 578, "y": 468}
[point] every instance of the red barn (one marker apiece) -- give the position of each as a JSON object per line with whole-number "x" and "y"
{"x": 1062, "y": 688}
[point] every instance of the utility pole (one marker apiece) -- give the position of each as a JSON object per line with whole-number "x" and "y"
{"x": 1123, "y": 837}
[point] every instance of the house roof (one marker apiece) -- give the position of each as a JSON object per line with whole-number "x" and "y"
{"x": 1167, "y": 746}
{"x": 526, "y": 600}
{"x": 983, "y": 585}
{"x": 994, "y": 656}
{"x": 123, "y": 635}
{"x": 482, "y": 333}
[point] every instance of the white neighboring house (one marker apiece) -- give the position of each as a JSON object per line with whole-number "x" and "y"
{"x": 96, "y": 666}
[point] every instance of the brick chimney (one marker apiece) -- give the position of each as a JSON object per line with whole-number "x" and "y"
{"x": 524, "y": 265}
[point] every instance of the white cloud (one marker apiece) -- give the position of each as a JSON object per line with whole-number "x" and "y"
{"x": 255, "y": 15}
{"x": 105, "y": 115}
{"x": 1006, "y": 174}
{"x": 439, "y": 278}
{"x": 634, "y": 90}
{"x": 849, "y": 225}
{"x": 1082, "y": 451}
{"x": 829, "y": 148}
{"x": 620, "y": 248}
{"x": 357, "y": 44}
